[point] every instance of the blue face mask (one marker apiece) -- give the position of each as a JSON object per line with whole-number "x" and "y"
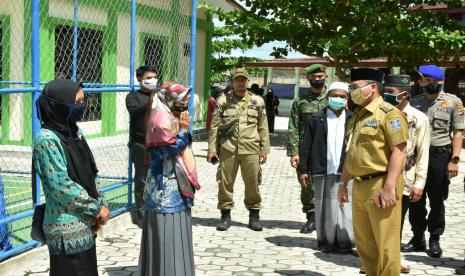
{"x": 337, "y": 103}
{"x": 76, "y": 112}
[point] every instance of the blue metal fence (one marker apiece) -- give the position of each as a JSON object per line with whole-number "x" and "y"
{"x": 34, "y": 87}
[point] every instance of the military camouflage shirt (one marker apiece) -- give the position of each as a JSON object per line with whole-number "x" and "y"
{"x": 302, "y": 108}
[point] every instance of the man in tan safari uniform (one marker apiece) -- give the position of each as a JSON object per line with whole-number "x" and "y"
{"x": 239, "y": 137}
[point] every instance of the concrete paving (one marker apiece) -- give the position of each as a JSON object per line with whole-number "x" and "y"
{"x": 279, "y": 250}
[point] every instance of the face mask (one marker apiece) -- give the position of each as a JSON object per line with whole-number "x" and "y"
{"x": 317, "y": 84}
{"x": 150, "y": 84}
{"x": 337, "y": 103}
{"x": 76, "y": 112}
{"x": 357, "y": 97}
{"x": 431, "y": 88}
{"x": 393, "y": 99}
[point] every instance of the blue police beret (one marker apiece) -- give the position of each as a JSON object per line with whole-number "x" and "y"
{"x": 431, "y": 71}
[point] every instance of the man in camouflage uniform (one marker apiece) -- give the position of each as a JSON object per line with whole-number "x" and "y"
{"x": 303, "y": 107}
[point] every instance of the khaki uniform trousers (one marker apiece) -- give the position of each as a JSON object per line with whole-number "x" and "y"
{"x": 226, "y": 176}
{"x": 375, "y": 228}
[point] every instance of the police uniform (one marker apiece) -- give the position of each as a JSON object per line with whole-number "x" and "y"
{"x": 445, "y": 116}
{"x": 239, "y": 133}
{"x": 374, "y": 130}
{"x": 302, "y": 108}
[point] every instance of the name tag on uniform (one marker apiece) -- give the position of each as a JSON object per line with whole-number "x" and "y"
{"x": 371, "y": 123}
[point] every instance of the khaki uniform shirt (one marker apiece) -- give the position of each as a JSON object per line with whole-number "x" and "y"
{"x": 416, "y": 167}
{"x": 251, "y": 133}
{"x": 374, "y": 130}
{"x": 302, "y": 108}
{"x": 445, "y": 115}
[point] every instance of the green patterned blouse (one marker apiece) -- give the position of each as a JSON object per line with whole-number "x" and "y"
{"x": 70, "y": 210}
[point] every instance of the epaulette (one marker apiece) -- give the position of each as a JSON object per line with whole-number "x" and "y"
{"x": 449, "y": 95}
{"x": 386, "y": 107}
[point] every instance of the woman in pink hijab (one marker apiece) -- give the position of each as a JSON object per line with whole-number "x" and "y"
{"x": 166, "y": 247}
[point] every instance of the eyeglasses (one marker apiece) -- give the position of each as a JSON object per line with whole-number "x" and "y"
{"x": 354, "y": 87}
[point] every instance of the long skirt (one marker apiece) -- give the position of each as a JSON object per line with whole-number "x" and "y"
{"x": 166, "y": 247}
{"x": 78, "y": 264}
{"x": 333, "y": 222}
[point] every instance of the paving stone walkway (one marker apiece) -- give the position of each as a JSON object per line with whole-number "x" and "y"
{"x": 280, "y": 249}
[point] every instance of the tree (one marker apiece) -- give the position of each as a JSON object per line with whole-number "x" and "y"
{"x": 346, "y": 31}
{"x": 222, "y": 62}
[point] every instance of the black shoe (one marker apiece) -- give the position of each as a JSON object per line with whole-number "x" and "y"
{"x": 309, "y": 226}
{"x": 434, "y": 250}
{"x": 225, "y": 222}
{"x": 254, "y": 220}
{"x": 460, "y": 270}
{"x": 416, "y": 244}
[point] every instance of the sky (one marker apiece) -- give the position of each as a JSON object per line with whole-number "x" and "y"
{"x": 262, "y": 52}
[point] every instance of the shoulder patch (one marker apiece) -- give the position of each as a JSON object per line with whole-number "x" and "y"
{"x": 459, "y": 108}
{"x": 395, "y": 124}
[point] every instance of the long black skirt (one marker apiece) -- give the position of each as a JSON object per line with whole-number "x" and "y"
{"x": 78, "y": 264}
{"x": 166, "y": 247}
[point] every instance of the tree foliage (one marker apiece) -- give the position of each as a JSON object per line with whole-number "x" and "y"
{"x": 346, "y": 31}
{"x": 222, "y": 61}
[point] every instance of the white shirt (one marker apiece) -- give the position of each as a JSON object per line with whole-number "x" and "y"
{"x": 416, "y": 167}
{"x": 335, "y": 139}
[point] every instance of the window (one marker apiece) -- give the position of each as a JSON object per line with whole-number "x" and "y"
{"x": 89, "y": 62}
{"x": 153, "y": 55}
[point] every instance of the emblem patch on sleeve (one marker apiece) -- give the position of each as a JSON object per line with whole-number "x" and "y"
{"x": 395, "y": 124}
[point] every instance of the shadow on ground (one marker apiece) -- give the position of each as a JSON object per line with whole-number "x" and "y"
{"x": 443, "y": 262}
{"x": 122, "y": 270}
{"x": 288, "y": 241}
{"x": 298, "y": 272}
{"x": 269, "y": 224}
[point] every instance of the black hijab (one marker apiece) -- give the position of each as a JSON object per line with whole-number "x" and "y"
{"x": 54, "y": 114}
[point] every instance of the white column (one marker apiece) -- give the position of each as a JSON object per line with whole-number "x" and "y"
{"x": 296, "y": 81}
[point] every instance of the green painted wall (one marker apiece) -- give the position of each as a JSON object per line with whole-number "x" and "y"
{"x": 109, "y": 59}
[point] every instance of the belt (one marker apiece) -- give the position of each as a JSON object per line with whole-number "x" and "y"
{"x": 371, "y": 176}
{"x": 440, "y": 149}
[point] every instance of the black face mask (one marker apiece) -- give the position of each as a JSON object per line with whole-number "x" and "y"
{"x": 431, "y": 88}
{"x": 76, "y": 112}
{"x": 317, "y": 84}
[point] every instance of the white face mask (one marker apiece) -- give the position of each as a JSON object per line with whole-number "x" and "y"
{"x": 150, "y": 84}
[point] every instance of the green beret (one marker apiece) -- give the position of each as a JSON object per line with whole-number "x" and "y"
{"x": 315, "y": 68}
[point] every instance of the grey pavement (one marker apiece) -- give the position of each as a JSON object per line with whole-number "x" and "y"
{"x": 279, "y": 250}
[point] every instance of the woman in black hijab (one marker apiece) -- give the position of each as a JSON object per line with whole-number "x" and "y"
{"x": 272, "y": 103}
{"x": 75, "y": 209}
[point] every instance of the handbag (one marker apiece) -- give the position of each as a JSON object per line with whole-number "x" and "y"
{"x": 37, "y": 230}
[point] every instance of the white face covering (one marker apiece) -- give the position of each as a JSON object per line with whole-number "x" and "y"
{"x": 150, "y": 84}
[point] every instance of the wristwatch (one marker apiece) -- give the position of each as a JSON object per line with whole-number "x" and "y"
{"x": 455, "y": 159}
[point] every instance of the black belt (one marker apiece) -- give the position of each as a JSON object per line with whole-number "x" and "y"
{"x": 440, "y": 149}
{"x": 371, "y": 176}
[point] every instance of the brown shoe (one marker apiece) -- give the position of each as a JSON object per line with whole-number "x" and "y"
{"x": 404, "y": 269}
{"x": 362, "y": 270}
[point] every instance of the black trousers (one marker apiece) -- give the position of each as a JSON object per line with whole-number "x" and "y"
{"x": 405, "y": 207}
{"x": 140, "y": 172}
{"x": 79, "y": 264}
{"x": 437, "y": 190}
{"x": 270, "y": 123}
